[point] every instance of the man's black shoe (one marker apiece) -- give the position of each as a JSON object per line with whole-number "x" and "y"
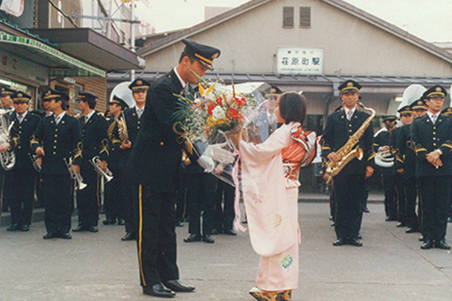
{"x": 193, "y": 238}
{"x": 359, "y": 236}
{"x": 428, "y": 244}
{"x": 65, "y": 236}
{"x": 50, "y": 235}
{"x": 80, "y": 229}
{"x": 401, "y": 224}
{"x": 391, "y": 219}
{"x": 13, "y": 227}
{"x": 441, "y": 244}
{"x": 366, "y": 210}
{"x": 339, "y": 242}
{"x": 109, "y": 221}
{"x": 422, "y": 238}
{"x": 158, "y": 290}
{"x": 25, "y": 228}
{"x": 411, "y": 230}
{"x": 230, "y": 232}
{"x": 208, "y": 239}
{"x": 179, "y": 224}
{"x": 178, "y": 287}
{"x": 355, "y": 242}
{"x": 93, "y": 229}
{"x": 449, "y": 219}
{"x": 121, "y": 222}
{"x": 129, "y": 236}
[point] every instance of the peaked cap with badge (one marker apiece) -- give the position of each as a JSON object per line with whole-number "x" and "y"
{"x": 21, "y": 97}
{"x": 139, "y": 85}
{"x": 447, "y": 112}
{"x": 390, "y": 121}
{"x": 349, "y": 86}
{"x": 404, "y": 110}
{"x": 203, "y": 54}
{"x": 55, "y": 94}
{"x": 435, "y": 91}
{"x": 87, "y": 97}
{"x": 119, "y": 101}
{"x": 5, "y": 91}
{"x": 418, "y": 105}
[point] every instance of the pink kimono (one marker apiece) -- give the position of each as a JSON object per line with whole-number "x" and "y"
{"x": 270, "y": 190}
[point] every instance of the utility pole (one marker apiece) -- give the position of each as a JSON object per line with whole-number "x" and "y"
{"x": 132, "y": 35}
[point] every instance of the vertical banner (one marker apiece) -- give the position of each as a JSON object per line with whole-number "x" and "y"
{"x": 13, "y": 7}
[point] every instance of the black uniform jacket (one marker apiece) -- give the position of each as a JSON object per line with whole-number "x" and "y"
{"x": 59, "y": 141}
{"x": 94, "y": 138}
{"x": 156, "y": 155}
{"x": 20, "y": 134}
{"x": 406, "y": 157}
{"x": 428, "y": 137}
{"x": 115, "y": 143}
{"x": 338, "y": 131}
{"x": 134, "y": 125}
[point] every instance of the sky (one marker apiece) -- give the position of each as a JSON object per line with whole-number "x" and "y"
{"x": 430, "y": 20}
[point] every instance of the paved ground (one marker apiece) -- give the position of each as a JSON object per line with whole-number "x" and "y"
{"x": 390, "y": 265}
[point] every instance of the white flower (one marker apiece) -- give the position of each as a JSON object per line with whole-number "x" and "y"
{"x": 218, "y": 113}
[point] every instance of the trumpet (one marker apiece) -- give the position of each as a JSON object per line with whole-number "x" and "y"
{"x": 34, "y": 159}
{"x": 108, "y": 175}
{"x": 74, "y": 175}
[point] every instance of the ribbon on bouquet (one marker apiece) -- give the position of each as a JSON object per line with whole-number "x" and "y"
{"x": 235, "y": 177}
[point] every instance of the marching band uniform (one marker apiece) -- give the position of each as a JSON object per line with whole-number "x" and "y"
{"x": 448, "y": 113}
{"x": 23, "y": 175}
{"x": 349, "y": 183}
{"x": 60, "y": 137}
{"x": 95, "y": 142}
{"x": 398, "y": 183}
{"x": 155, "y": 164}
{"x": 433, "y": 133}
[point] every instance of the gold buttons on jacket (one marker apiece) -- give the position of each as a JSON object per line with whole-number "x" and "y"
{"x": 161, "y": 143}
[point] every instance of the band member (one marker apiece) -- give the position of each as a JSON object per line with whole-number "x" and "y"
{"x": 133, "y": 119}
{"x": 57, "y": 139}
{"x": 23, "y": 175}
{"x": 7, "y": 98}
{"x": 95, "y": 143}
{"x": 448, "y": 113}
{"x": 155, "y": 164}
{"x": 432, "y": 137}
{"x": 113, "y": 200}
{"x": 381, "y": 146}
{"x": 349, "y": 182}
{"x": 405, "y": 165}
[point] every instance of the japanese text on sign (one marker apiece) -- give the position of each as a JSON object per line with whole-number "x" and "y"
{"x": 300, "y": 61}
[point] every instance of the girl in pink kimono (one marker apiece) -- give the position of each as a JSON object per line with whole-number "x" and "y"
{"x": 270, "y": 189}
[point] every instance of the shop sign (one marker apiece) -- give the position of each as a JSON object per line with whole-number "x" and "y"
{"x": 22, "y": 67}
{"x": 296, "y": 60}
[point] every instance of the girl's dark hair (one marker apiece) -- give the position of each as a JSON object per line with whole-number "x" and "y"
{"x": 292, "y": 107}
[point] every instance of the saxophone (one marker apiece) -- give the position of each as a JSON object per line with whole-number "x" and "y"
{"x": 346, "y": 153}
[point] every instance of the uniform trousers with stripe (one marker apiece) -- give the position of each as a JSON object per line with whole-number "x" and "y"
{"x": 156, "y": 236}
{"x": 58, "y": 196}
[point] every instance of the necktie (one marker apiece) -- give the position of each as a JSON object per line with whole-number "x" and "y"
{"x": 20, "y": 118}
{"x": 86, "y": 119}
{"x": 57, "y": 119}
{"x": 434, "y": 119}
{"x": 349, "y": 115}
{"x": 139, "y": 112}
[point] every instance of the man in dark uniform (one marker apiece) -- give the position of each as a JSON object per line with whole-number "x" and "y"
{"x": 95, "y": 143}
{"x": 349, "y": 183}
{"x": 23, "y": 175}
{"x": 113, "y": 201}
{"x": 155, "y": 164}
{"x": 405, "y": 165}
{"x": 57, "y": 139}
{"x": 448, "y": 113}
{"x": 133, "y": 119}
{"x": 432, "y": 137}
{"x": 381, "y": 145}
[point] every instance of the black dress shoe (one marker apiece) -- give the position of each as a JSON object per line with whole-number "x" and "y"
{"x": 355, "y": 242}
{"x": 93, "y": 229}
{"x": 25, "y": 228}
{"x": 441, "y": 244}
{"x": 65, "y": 236}
{"x": 428, "y": 244}
{"x": 179, "y": 224}
{"x": 129, "y": 236}
{"x": 333, "y": 224}
{"x": 208, "y": 239}
{"x": 359, "y": 236}
{"x": 193, "y": 238}
{"x": 215, "y": 232}
{"x": 13, "y": 227}
{"x": 230, "y": 232}
{"x": 366, "y": 210}
{"x": 339, "y": 242}
{"x": 411, "y": 230}
{"x": 401, "y": 224}
{"x": 109, "y": 221}
{"x": 50, "y": 235}
{"x": 158, "y": 290}
{"x": 178, "y": 287}
{"x": 422, "y": 238}
{"x": 449, "y": 219}
{"x": 391, "y": 219}
{"x": 80, "y": 229}
{"x": 121, "y": 222}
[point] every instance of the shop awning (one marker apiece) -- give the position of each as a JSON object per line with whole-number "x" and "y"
{"x": 59, "y": 63}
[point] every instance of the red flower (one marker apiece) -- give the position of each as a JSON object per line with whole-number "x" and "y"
{"x": 210, "y": 108}
{"x": 219, "y": 101}
{"x": 233, "y": 113}
{"x": 241, "y": 101}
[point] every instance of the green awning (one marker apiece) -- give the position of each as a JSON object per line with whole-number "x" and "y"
{"x": 59, "y": 63}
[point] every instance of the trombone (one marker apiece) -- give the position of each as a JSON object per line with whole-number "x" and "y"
{"x": 74, "y": 175}
{"x": 108, "y": 175}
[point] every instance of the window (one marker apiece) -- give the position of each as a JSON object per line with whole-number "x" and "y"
{"x": 305, "y": 17}
{"x": 288, "y": 17}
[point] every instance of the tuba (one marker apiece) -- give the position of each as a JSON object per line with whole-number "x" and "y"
{"x": 347, "y": 152}
{"x": 8, "y": 158}
{"x": 95, "y": 162}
